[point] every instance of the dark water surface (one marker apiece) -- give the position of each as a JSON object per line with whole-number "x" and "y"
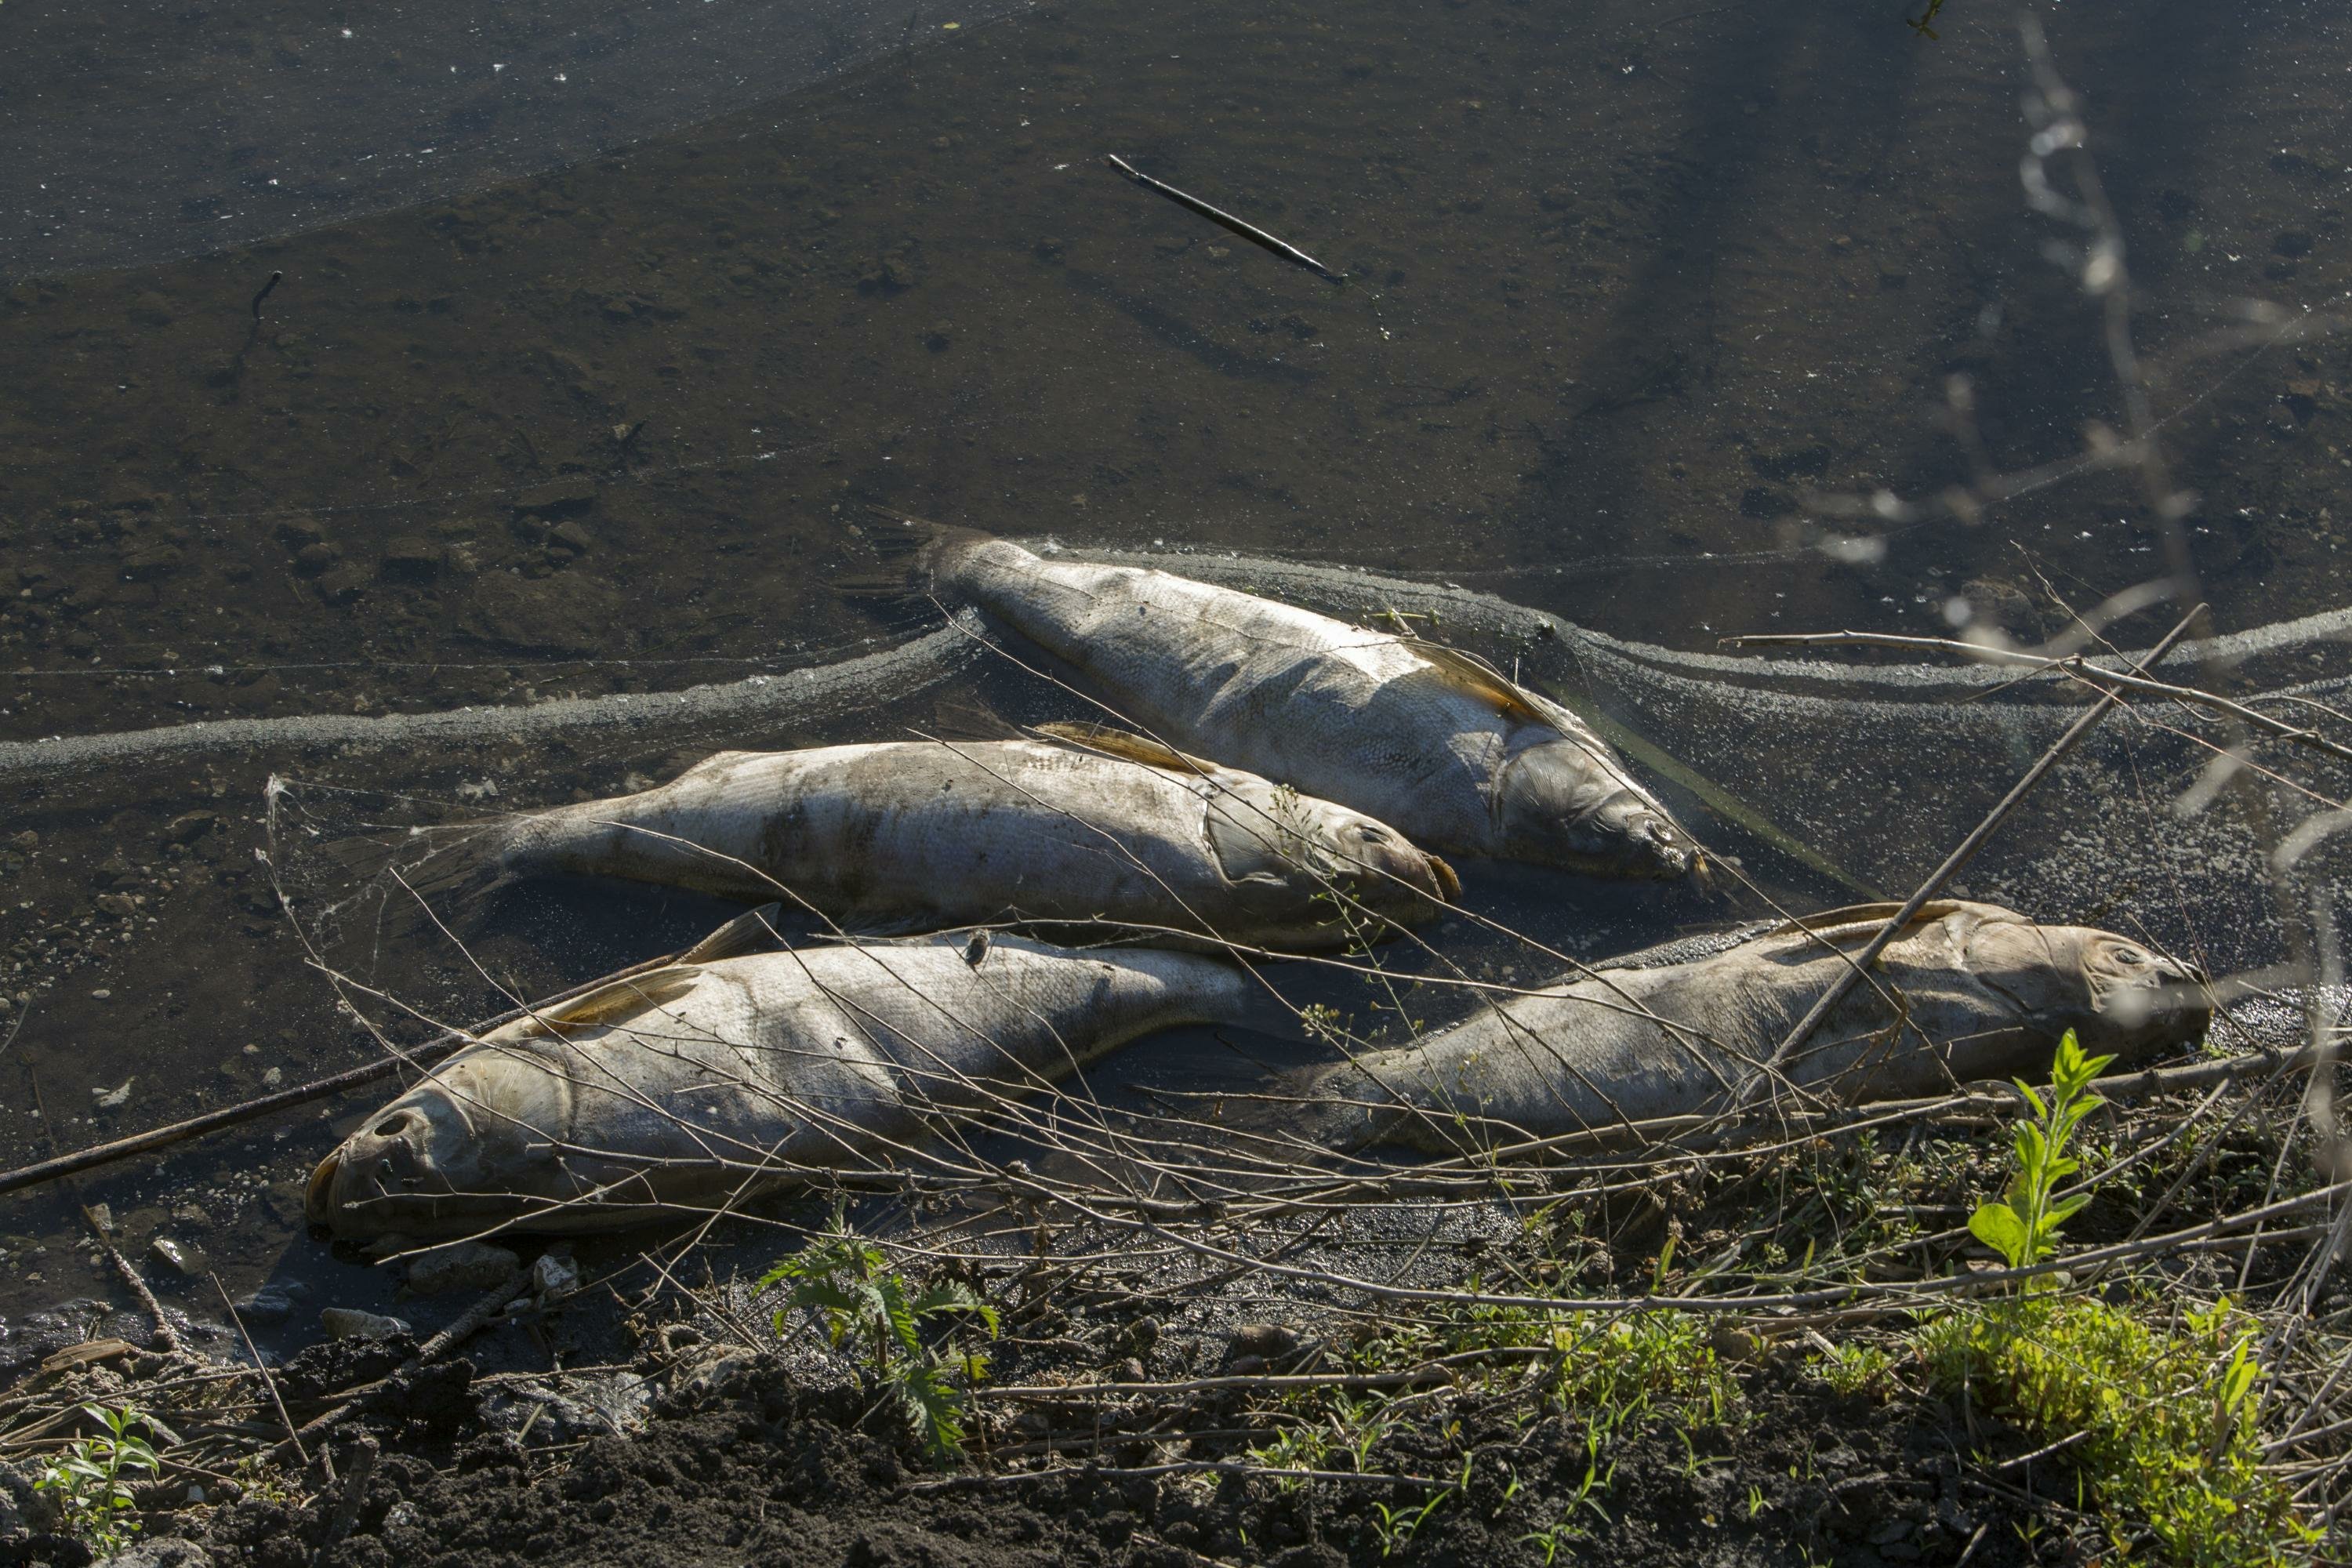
{"x": 1625, "y": 283}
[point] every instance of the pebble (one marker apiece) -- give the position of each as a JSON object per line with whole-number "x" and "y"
{"x": 272, "y": 1303}
{"x": 461, "y": 1266}
{"x": 412, "y": 558}
{"x": 553, "y": 1275}
{"x": 350, "y": 1323}
{"x": 186, "y": 1261}
{"x": 557, "y": 497}
{"x": 189, "y": 827}
{"x": 1267, "y": 1339}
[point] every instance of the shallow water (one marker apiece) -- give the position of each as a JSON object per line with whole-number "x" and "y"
{"x": 1622, "y": 287}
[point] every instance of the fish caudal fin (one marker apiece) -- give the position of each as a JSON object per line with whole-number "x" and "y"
{"x": 458, "y": 867}
{"x": 918, "y": 557}
{"x": 1303, "y": 1119}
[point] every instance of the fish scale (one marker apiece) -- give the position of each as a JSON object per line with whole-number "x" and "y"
{"x": 1986, "y": 993}
{"x": 925, "y": 834}
{"x": 1423, "y": 737}
{"x": 677, "y": 1087}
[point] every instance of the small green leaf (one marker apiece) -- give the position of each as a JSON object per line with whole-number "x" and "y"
{"x": 1998, "y": 1226}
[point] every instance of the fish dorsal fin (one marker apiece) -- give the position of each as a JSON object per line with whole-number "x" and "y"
{"x": 616, "y": 1003}
{"x": 1829, "y": 922}
{"x": 1474, "y": 674}
{"x": 754, "y": 930}
{"x": 1127, "y": 746}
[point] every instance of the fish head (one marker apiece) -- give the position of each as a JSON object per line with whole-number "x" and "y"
{"x": 1565, "y": 802}
{"x": 1271, "y": 835}
{"x": 2120, "y": 997}
{"x": 452, "y": 1155}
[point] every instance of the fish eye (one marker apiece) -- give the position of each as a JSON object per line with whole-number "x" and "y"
{"x": 2131, "y": 955}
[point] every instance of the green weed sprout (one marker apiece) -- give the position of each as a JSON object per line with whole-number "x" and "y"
{"x": 875, "y": 1311}
{"x": 2023, "y": 1227}
{"x": 2159, "y": 1421}
{"x": 90, "y": 1478}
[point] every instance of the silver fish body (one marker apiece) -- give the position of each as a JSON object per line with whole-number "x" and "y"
{"x": 924, "y": 836}
{"x": 677, "y": 1090}
{"x": 1419, "y": 736}
{"x": 1985, "y": 993}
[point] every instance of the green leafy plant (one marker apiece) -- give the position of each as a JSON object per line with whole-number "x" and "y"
{"x": 90, "y": 1476}
{"x": 876, "y": 1312}
{"x": 1851, "y": 1368}
{"x": 2023, "y": 1227}
{"x": 2161, "y": 1421}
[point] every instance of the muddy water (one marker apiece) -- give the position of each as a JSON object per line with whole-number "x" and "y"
{"x": 1622, "y": 287}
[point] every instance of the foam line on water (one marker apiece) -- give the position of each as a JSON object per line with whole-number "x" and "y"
{"x": 1463, "y": 605}
{"x": 909, "y": 667}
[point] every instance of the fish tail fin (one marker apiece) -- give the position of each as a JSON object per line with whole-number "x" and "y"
{"x": 1303, "y": 1119}
{"x": 919, "y": 557}
{"x": 458, "y": 867}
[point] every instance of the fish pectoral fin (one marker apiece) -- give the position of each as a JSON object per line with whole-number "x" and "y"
{"x": 1127, "y": 746}
{"x": 754, "y": 930}
{"x": 1475, "y": 675}
{"x": 620, "y": 1001}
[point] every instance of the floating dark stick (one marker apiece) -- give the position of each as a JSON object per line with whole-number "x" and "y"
{"x": 1225, "y": 220}
{"x": 431, "y": 1051}
{"x": 266, "y": 288}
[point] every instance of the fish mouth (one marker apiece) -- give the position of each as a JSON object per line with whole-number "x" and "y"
{"x": 1656, "y": 848}
{"x": 319, "y": 1197}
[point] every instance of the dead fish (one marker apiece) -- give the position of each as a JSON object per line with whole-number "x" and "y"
{"x": 918, "y": 836}
{"x": 1985, "y": 993}
{"x": 674, "y": 1091}
{"x": 1426, "y": 738}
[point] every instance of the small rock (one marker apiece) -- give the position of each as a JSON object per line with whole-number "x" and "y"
{"x": 148, "y": 562}
{"x": 1130, "y": 1371}
{"x": 710, "y": 1366}
{"x": 411, "y": 558}
{"x": 183, "y": 1258}
{"x": 557, "y": 497}
{"x": 315, "y": 558}
{"x": 461, "y": 1266}
{"x": 272, "y": 1077}
{"x": 1733, "y": 1343}
{"x": 341, "y": 585}
{"x": 1266, "y": 1339}
{"x": 165, "y": 1552}
{"x": 573, "y": 537}
{"x": 118, "y": 905}
{"x": 27, "y": 840}
{"x": 271, "y": 1304}
{"x": 298, "y": 532}
{"x": 23, "y": 1510}
{"x": 190, "y": 826}
{"x": 102, "y": 1216}
{"x": 554, "y": 1275}
{"x": 350, "y": 1323}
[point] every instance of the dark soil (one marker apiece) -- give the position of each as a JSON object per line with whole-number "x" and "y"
{"x": 759, "y": 1470}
